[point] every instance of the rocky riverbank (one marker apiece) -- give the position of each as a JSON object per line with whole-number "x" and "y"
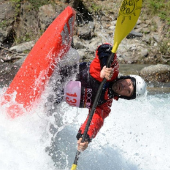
{"x": 21, "y": 27}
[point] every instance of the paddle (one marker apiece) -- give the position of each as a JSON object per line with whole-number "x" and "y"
{"x": 128, "y": 15}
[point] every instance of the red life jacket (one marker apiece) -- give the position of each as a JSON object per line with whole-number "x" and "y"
{"x": 103, "y": 108}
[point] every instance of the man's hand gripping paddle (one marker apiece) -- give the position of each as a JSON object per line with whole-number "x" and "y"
{"x": 128, "y": 15}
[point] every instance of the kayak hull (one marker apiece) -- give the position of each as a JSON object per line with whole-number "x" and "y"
{"x": 29, "y": 83}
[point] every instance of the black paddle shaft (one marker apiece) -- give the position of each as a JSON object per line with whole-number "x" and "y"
{"x": 110, "y": 59}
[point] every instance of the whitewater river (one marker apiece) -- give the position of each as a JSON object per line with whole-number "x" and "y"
{"x": 136, "y": 136}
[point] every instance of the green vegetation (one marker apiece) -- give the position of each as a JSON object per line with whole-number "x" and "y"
{"x": 32, "y": 5}
{"x": 158, "y": 7}
{"x": 3, "y": 24}
{"x": 151, "y": 8}
{"x": 164, "y": 47}
{"x": 95, "y": 8}
{"x": 17, "y": 5}
{"x": 35, "y": 3}
{"x": 27, "y": 37}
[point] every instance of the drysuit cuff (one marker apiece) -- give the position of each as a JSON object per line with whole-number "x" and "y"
{"x": 80, "y": 135}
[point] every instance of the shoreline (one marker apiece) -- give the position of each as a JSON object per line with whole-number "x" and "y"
{"x": 153, "y": 88}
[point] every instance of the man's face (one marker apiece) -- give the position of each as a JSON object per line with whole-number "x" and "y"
{"x": 123, "y": 87}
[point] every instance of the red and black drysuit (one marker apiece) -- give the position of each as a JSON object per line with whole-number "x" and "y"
{"x": 89, "y": 75}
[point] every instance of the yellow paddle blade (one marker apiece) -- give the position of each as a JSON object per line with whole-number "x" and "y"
{"x": 128, "y": 15}
{"x": 74, "y": 167}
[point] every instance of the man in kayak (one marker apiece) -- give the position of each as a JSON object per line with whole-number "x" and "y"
{"x": 89, "y": 77}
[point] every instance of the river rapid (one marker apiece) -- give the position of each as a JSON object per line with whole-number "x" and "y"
{"x": 135, "y": 136}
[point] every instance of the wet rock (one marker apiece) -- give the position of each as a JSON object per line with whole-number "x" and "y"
{"x": 46, "y": 15}
{"x": 144, "y": 52}
{"x": 87, "y": 31}
{"x": 8, "y": 71}
{"x": 78, "y": 43}
{"x": 23, "y": 47}
{"x": 156, "y": 73}
{"x": 134, "y": 34}
{"x": 28, "y": 26}
{"x": 156, "y": 37}
{"x": 146, "y": 30}
{"x": 7, "y": 15}
{"x": 147, "y": 39}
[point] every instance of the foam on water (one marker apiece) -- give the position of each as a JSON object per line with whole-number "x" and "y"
{"x": 140, "y": 130}
{"x": 135, "y": 136}
{"x": 23, "y": 141}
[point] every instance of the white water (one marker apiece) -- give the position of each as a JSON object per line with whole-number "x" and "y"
{"x": 135, "y": 136}
{"x": 22, "y": 142}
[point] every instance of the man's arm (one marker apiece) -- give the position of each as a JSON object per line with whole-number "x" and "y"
{"x": 98, "y": 71}
{"x": 100, "y": 114}
{"x": 99, "y": 62}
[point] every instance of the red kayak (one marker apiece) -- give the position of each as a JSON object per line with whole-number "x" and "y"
{"x": 29, "y": 83}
